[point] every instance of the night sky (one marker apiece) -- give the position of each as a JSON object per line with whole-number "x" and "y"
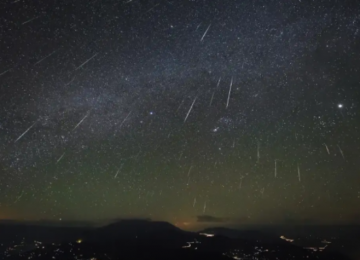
{"x": 193, "y": 112}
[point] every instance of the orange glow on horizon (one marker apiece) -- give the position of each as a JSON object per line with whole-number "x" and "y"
{"x": 184, "y": 225}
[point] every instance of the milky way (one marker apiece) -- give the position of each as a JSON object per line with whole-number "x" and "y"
{"x": 106, "y": 105}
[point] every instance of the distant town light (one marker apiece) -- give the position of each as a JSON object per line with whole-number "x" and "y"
{"x": 207, "y": 234}
{"x": 287, "y": 239}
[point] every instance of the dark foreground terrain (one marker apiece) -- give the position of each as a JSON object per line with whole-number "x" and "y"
{"x": 138, "y": 239}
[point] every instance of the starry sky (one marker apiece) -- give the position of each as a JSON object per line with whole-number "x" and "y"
{"x": 193, "y": 112}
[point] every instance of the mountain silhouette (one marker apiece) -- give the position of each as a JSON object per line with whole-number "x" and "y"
{"x": 156, "y": 231}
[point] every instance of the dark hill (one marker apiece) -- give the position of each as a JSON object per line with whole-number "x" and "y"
{"x": 47, "y": 234}
{"x": 155, "y": 232}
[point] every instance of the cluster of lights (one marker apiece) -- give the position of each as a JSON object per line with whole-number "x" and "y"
{"x": 287, "y": 239}
{"x": 207, "y": 234}
{"x": 42, "y": 251}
